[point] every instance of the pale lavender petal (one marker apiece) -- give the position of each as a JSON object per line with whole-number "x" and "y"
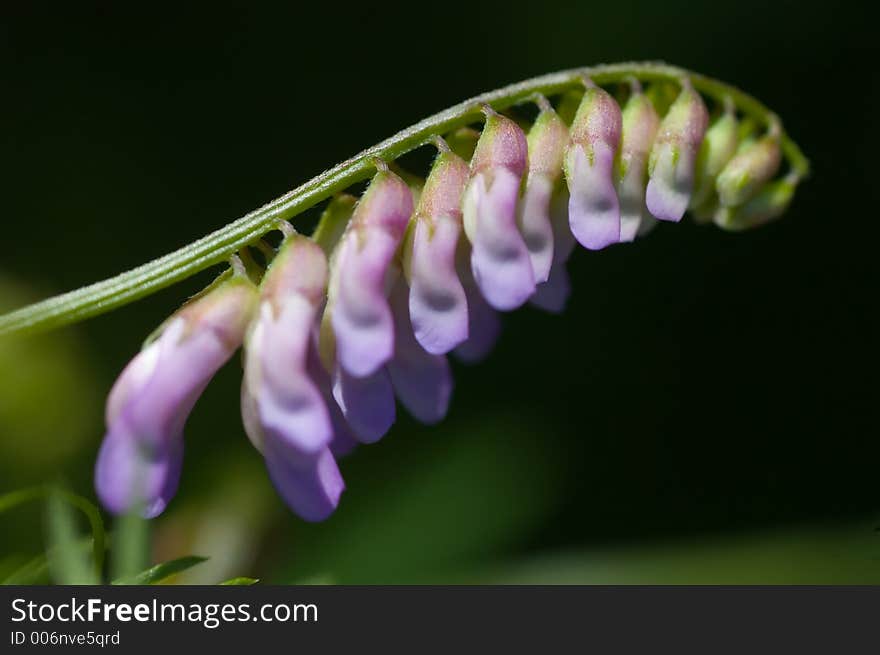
{"x": 534, "y": 223}
{"x": 672, "y": 181}
{"x": 593, "y": 210}
{"x": 136, "y": 374}
{"x": 311, "y": 491}
{"x": 343, "y": 441}
{"x": 185, "y": 360}
{"x": 422, "y": 381}
{"x": 631, "y": 191}
{"x": 289, "y": 406}
{"x": 552, "y": 295}
{"x": 437, "y": 300}
{"x": 640, "y": 123}
{"x": 484, "y": 324}
{"x": 673, "y": 156}
{"x": 360, "y": 316}
{"x": 499, "y": 257}
{"x": 366, "y": 402}
{"x": 358, "y": 309}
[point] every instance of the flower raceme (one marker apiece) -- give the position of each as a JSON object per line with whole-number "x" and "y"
{"x": 339, "y": 326}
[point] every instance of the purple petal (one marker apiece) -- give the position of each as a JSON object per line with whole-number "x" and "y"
{"x": 343, "y": 441}
{"x": 672, "y": 181}
{"x": 157, "y": 409}
{"x": 289, "y": 406}
{"x": 150, "y": 402}
{"x": 631, "y": 191}
{"x": 484, "y": 324}
{"x": 499, "y": 257}
{"x": 311, "y": 491}
{"x": 423, "y": 381}
{"x": 673, "y": 156}
{"x": 366, "y": 402}
{"x": 130, "y": 473}
{"x": 640, "y": 123}
{"x": 534, "y": 222}
{"x": 593, "y": 210}
{"x": 552, "y": 295}
{"x": 437, "y": 302}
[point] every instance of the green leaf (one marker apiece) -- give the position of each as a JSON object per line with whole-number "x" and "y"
{"x": 35, "y": 571}
{"x": 160, "y": 572}
{"x": 242, "y": 582}
{"x": 15, "y": 498}
{"x": 69, "y": 565}
{"x": 218, "y": 246}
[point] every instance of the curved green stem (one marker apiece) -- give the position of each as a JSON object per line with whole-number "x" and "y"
{"x": 219, "y": 245}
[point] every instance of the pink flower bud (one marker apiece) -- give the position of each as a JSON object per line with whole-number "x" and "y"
{"x": 499, "y": 257}
{"x": 594, "y": 210}
{"x": 674, "y": 155}
{"x": 437, "y": 303}
{"x": 547, "y": 141}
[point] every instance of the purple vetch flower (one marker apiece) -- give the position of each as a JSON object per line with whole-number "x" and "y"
{"x": 640, "y": 122}
{"x": 344, "y": 440}
{"x": 593, "y": 207}
{"x": 139, "y": 462}
{"x": 673, "y": 157}
{"x": 366, "y": 402}
{"x": 552, "y": 295}
{"x": 285, "y": 414}
{"x": 547, "y": 141}
{"x": 499, "y": 257}
{"x": 357, "y": 331}
{"x": 437, "y": 304}
{"x": 363, "y": 328}
{"x": 421, "y": 380}
{"x": 363, "y": 313}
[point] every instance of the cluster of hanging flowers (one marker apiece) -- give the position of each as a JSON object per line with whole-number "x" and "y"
{"x": 367, "y": 309}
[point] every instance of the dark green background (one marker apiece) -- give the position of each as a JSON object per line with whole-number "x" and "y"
{"x": 702, "y": 385}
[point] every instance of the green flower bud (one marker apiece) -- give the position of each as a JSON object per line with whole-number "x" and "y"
{"x": 719, "y": 146}
{"x": 767, "y": 205}
{"x": 749, "y": 170}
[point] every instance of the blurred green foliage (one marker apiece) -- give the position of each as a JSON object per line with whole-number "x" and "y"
{"x": 49, "y": 400}
{"x": 703, "y": 412}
